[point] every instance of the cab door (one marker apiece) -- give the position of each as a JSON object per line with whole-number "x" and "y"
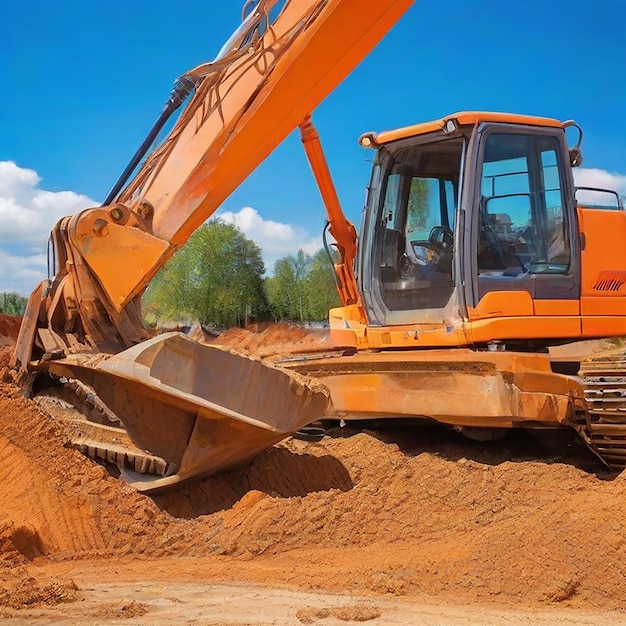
{"x": 406, "y": 251}
{"x": 523, "y": 222}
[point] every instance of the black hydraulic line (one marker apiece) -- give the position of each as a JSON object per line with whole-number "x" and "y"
{"x": 330, "y": 256}
{"x": 181, "y": 90}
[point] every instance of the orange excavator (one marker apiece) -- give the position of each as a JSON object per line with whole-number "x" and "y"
{"x": 474, "y": 264}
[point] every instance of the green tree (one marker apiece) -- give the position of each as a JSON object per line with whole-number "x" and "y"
{"x": 12, "y": 304}
{"x": 279, "y": 289}
{"x": 287, "y": 292}
{"x": 302, "y": 288}
{"x": 217, "y": 278}
{"x": 321, "y": 288}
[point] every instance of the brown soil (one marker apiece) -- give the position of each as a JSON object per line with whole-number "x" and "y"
{"x": 404, "y": 515}
{"x": 269, "y": 340}
{"x": 9, "y": 328}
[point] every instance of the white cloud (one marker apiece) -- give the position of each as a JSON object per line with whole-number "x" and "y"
{"x": 27, "y": 214}
{"x": 600, "y": 179}
{"x": 276, "y": 239}
{"x": 21, "y": 273}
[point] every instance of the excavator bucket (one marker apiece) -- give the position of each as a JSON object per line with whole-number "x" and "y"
{"x": 171, "y": 409}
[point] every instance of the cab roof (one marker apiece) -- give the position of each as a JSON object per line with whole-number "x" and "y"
{"x": 463, "y": 118}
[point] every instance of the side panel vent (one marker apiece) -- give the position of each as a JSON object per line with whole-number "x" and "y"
{"x": 610, "y": 281}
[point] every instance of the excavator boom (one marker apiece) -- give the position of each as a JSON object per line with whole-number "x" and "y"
{"x": 265, "y": 83}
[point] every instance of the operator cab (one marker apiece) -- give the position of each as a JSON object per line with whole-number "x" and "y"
{"x": 463, "y": 207}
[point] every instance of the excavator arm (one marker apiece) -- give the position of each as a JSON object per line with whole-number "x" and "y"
{"x": 265, "y": 82}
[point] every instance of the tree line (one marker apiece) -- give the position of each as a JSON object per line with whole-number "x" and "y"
{"x": 218, "y": 278}
{"x": 12, "y": 303}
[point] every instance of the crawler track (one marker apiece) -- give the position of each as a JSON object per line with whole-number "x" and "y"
{"x": 604, "y": 381}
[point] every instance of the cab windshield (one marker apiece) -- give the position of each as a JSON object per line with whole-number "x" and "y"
{"x": 415, "y": 238}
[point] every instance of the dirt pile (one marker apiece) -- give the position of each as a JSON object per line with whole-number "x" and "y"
{"x": 347, "y": 514}
{"x": 310, "y": 615}
{"x": 400, "y": 513}
{"x": 54, "y": 501}
{"x": 406, "y": 521}
{"x": 9, "y": 328}
{"x": 20, "y": 590}
{"x": 268, "y": 340}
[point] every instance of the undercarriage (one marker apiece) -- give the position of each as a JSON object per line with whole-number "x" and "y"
{"x": 156, "y": 439}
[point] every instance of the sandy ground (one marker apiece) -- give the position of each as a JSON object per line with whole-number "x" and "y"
{"x": 130, "y": 596}
{"x": 395, "y": 527}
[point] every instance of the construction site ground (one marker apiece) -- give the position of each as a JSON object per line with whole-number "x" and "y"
{"x": 384, "y": 527}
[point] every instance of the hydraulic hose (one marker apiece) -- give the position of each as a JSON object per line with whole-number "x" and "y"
{"x": 330, "y": 256}
{"x": 181, "y": 90}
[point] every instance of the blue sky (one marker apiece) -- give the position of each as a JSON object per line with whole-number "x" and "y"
{"x": 82, "y": 82}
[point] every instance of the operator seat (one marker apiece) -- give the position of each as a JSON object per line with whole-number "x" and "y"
{"x": 490, "y": 253}
{"x": 393, "y": 249}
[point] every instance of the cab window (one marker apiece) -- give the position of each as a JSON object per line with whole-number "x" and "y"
{"x": 522, "y": 222}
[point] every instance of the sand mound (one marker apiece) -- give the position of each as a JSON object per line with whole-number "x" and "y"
{"x": 397, "y": 523}
{"x": 9, "y": 325}
{"x": 353, "y": 514}
{"x": 20, "y": 590}
{"x": 356, "y": 513}
{"x": 267, "y": 340}
{"x": 54, "y": 501}
{"x": 9, "y": 329}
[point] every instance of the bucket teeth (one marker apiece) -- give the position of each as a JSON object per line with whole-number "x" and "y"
{"x": 122, "y": 457}
{"x": 96, "y": 432}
